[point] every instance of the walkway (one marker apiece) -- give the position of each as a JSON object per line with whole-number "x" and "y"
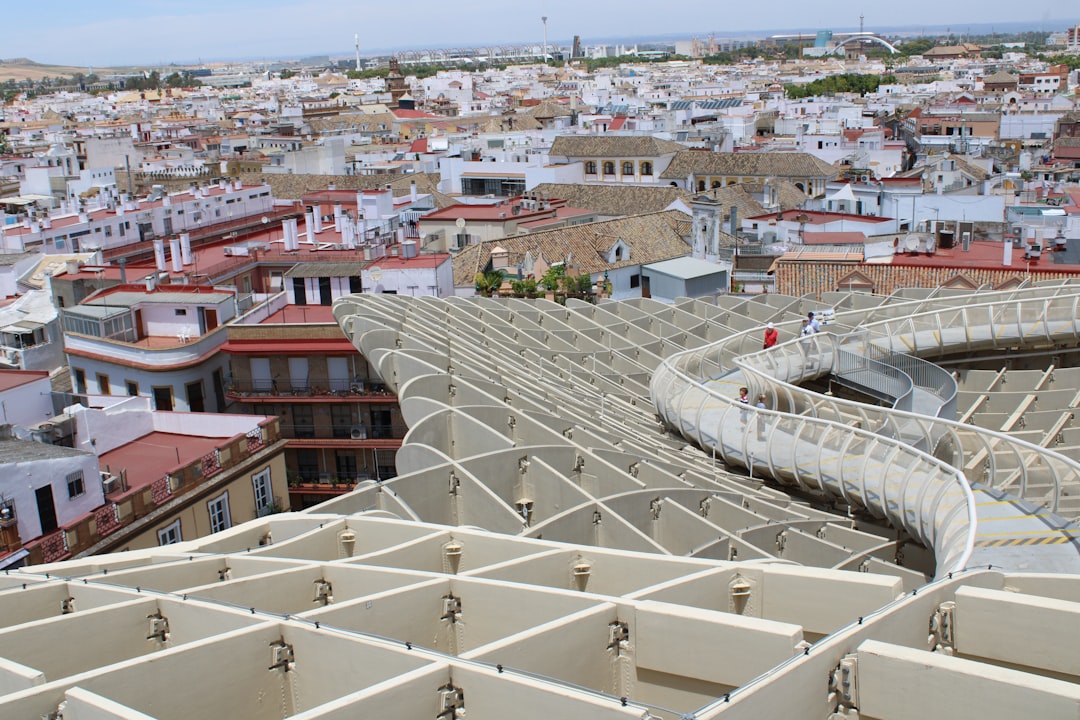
{"x": 976, "y": 497}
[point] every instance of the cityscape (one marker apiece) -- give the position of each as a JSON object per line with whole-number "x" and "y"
{"x": 727, "y": 373}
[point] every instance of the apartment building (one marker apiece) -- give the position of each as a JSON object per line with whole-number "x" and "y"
{"x": 340, "y": 423}
{"x": 616, "y": 159}
{"x": 158, "y": 342}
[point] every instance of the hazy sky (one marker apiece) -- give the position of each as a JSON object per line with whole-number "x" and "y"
{"x": 112, "y": 32}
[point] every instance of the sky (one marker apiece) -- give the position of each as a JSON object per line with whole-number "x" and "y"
{"x": 159, "y": 32}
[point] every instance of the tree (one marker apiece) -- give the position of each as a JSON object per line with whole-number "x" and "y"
{"x": 287, "y": 73}
{"x": 526, "y": 288}
{"x": 489, "y": 282}
{"x": 552, "y": 279}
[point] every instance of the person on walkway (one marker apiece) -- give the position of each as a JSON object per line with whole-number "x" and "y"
{"x": 771, "y": 336}
{"x": 761, "y": 418}
{"x": 805, "y": 333}
{"x": 814, "y": 324}
{"x": 744, "y": 400}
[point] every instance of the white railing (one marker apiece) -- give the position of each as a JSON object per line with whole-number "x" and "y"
{"x": 919, "y": 466}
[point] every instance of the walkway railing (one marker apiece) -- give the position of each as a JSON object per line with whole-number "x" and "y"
{"x": 911, "y": 468}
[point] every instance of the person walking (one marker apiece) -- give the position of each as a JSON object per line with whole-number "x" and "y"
{"x": 761, "y": 418}
{"x": 771, "y": 336}
{"x": 814, "y": 324}
{"x": 744, "y": 400}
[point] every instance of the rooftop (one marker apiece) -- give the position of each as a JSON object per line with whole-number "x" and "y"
{"x": 10, "y": 379}
{"x": 148, "y": 458}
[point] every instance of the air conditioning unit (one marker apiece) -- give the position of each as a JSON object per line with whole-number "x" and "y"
{"x": 109, "y": 483}
{"x": 358, "y": 432}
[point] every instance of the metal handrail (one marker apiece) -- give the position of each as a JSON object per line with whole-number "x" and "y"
{"x": 907, "y": 437}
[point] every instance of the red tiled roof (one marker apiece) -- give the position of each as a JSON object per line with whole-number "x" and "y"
{"x": 404, "y": 114}
{"x": 833, "y": 238}
{"x": 16, "y": 378}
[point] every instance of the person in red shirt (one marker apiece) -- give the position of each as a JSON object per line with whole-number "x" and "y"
{"x": 771, "y": 335}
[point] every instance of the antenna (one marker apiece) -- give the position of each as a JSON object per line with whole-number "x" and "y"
{"x": 356, "y": 38}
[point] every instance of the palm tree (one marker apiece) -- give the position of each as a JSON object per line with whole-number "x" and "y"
{"x": 488, "y": 283}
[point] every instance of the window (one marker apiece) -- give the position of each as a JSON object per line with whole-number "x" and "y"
{"x": 590, "y": 167}
{"x": 180, "y": 311}
{"x": 646, "y": 168}
{"x": 132, "y": 388}
{"x": 80, "y": 380}
{"x": 715, "y": 183}
{"x": 218, "y": 508}
{"x": 170, "y": 534}
{"x": 163, "y": 398}
{"x": 303, "y": 421}
{"x": 635, "y": 281}
{"x": 701, "y": 185}
{"x": 627, "y": 168}
{"x": 103, "y": 384}
{"x": 75, "y": 484}
{"x": 609, "y": 168}
{"x": 260, "y": 483}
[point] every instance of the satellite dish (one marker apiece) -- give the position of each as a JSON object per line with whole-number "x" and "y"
{"x": 460, "y": 222}
{"x": 911, "y": 243}
{"x": 264, "y": 220}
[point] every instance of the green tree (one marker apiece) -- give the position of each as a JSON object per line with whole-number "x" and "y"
{"x": 489, "y": 282}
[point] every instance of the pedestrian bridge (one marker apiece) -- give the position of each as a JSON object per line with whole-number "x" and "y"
{"x": 978, "y": 497}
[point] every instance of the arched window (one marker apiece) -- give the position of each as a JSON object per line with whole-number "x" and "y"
{"x": 701, "y": 185}
{"x": 716, "y": 183}
{"x": 646, "y": 168}
{"x": 590, "y": 167}
{"x": 609, "y": 168}
{"x": 627, "y": 168}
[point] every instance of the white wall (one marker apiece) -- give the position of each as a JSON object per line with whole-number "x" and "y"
{"x": 20, "y": 480}
{"x": 27, "y": 404}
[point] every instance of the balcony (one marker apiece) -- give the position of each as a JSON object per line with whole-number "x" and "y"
{"x": 365, "y": 435}
{"x": 309, "y": 390}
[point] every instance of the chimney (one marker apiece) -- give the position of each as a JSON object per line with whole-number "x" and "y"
{"x": 337, "y": 217}
{"x": 316, "y": 213}
{"x": 122, "y": 262}
{"x": 166, "y": 201}
{"x": 292, "y": 236}
{"x": 412, "y": 191}
{"x": 309, "y": 227}
{"x": 185, "y": 248}
{"x": 174, "y": 250}
{"x": 159, "y": 253}
{"x": 735, "y": 221}
{"x": 1006, "y": 258}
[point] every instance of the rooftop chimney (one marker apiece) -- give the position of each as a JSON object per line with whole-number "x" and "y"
{"x": 185, "y": 248}
{"x": 174, "y": 250}
{"x": 159, "y": 253}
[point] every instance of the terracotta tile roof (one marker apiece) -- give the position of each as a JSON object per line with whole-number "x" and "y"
{"x": 618, "y": 146}
{"x": 615, "y": 200}
{"x": 754, "y": 164}
{"x": 651, "y": 237}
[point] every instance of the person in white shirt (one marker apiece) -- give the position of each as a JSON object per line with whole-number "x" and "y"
{"x": 814, "y": 324}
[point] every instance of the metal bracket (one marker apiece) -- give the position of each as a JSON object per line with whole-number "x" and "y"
{"x": 942, "y": 638}
{"x": 452, "y": 702}
{"x": 281, "y": 655}
{"x": 451, "y": 608}
{"x": 618, "y": 636}
{"x": 324, "y": 592}
{"x": 159, "y": 627}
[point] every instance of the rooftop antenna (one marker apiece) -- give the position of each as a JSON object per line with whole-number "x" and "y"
{"x": 356, "y": 38}
{"x": 544, "y": 20}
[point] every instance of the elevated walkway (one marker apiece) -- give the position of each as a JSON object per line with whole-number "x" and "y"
{"x": 975, "y": 496}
